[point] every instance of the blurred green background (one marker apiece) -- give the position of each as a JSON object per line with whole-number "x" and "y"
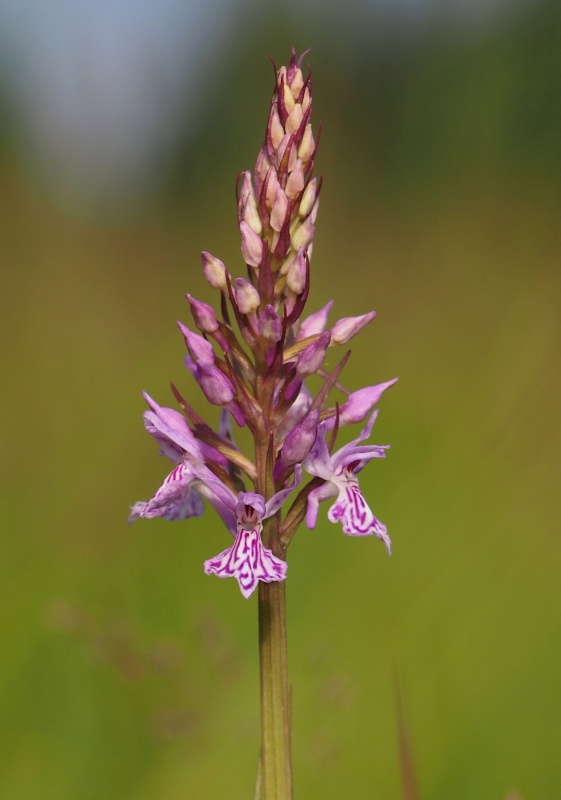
{"x": 126, "y": 673}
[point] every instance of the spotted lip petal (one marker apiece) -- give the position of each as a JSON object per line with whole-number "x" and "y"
{"x": 248, "y": 561}
{"x": 339, "y": 473}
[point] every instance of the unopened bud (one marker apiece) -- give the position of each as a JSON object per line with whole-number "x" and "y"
{"x": 216, "y": 387}
{"x": 252, "y": 245}
{"x": 359, "y": 404}
{"x": 346, "y": 328}
{"x": 303, "y": 234}
{"x": 307, "y": 145}
{"x": 203, "y": 314}
{"x": 294, "y": 118}
{"x": 288, "y": 97}
{"x": 315, "y": 323}
{"x": 199, "y": 348}
{"x": 311, "y": 358}
{"x": 308, "y": 198}
{"x": 299, "y": 441}
{"x": 277, "y": 131}
{"x": 297, "y": 274}
{"x": 296, "y": 83}
{"x": 214, "y": 271}
{"x": 270, "y": 325}
{"x": 278, "y": 213}
{"x": 247, "y": 296}
{"x": 248, "y": 204}
{"x": 295, "y": 182}
{"x": 273, "y": 186}
{"x": 287, "y": 142}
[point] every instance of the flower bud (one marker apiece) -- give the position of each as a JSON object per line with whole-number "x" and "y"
{"x": 315, "y": 323}
{"x": 214, "y": 271}
{"x": 203, "y": 315}
{"x": 295, "y": 182}
{"x": 247, "y": 296}
{"x": 346, "y": 328}
{"x": 295, "y": 81}
{"x": 311, "y": 358}
{"x": 216, "y": 387}
{"x": 278, "y": 213}
{"x": 307, "y": 145}
{"x": 308, "y": 198}
{"x": 287, "y": 142}
{"x": 252, "y": 245}
{"x": 294, "y": 118}
{"x": 299, "y": 441}
{"x": 273, "y": 186}
{"x": 359, "y": 404}
{"x": 199, "y": 348}
{"x": 270, "y": 325}
{"x": 248, "y": 205}
{"x": 288, "y": 97}
{"x": 297, "y": 274}
{"x": 303, "y": 234}
{"x": 277, "y": 131}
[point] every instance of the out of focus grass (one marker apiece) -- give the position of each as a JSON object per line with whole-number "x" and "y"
{"x": 128, "y": 673}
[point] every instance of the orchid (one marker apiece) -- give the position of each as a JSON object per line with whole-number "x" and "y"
{"x": 339, "y": 472}
{"x": 255, "y": 362}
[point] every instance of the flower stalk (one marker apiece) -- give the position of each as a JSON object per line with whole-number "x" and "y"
{"x": 253, "y": 362}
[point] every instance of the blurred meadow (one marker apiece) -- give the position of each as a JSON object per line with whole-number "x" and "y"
{"x": 126, "y": 673}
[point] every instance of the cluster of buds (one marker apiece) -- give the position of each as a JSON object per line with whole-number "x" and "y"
{"x": 254, "y": 361}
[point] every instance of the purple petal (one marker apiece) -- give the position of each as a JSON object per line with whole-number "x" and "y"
{"x": 344, "y": 329}
{"x": 176, "y": 499}
{"x": 359, "y": 404}
{"x": 315, "y": 323}
{"x": 318, "y": 461}
{"x": 276, "y": 501}
{"x": 315, "y": 497}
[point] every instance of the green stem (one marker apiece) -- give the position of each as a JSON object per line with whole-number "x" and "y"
{"x": 276, "y": 764}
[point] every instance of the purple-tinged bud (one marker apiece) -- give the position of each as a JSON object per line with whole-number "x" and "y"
{"x": 314, "y": 211}
{"x": 294, "y": 118}
{"x": 199, "y": 348}
{"x": 216, "y": 387}
{"x": 359, "y": 404}
{"x": 297, "y": 274}
{"x": 203, "y": 315}
{"x": 278, "y": 213}
{"x": 289, "y": 99}
{"x": 311, "y": 358}
{"x": 270, "y": 325}
{"x": 346, "y": 328}
{"x": 214, "y": 271}
{"x": 277, "y": 131}
{"x": 248, "y": 204}
{"x": 308, "y": 198}
{"x": 307, "y": 145}
{"x": 303, "y": 234}
{"x": 295, "y": 182}
{"x": 262, "y": 166}
{"x": 315, "y": 323}
{"x": 296, "y": 83}
{"x": 247, "y": 296}
{"x": 287, "y": 142}
{"x": 252, "y": 245}
{"x": 299, "y": 441}
{"x": 273, "y": 186}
